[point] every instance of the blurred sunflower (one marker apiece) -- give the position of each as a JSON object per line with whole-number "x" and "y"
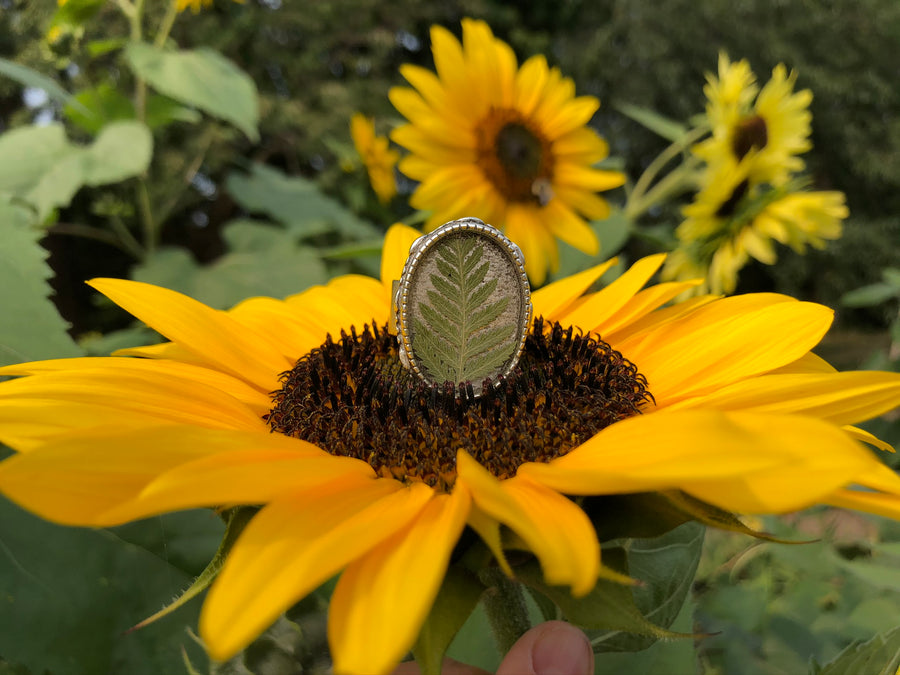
{"x": 732, "y": 220}
{"x": 377, "y": 156}
{"x": 378, "y": 476}
{"x": 749, "y": 194}
{"x": 508, "y": 145}
{"x": 767, "y": 133}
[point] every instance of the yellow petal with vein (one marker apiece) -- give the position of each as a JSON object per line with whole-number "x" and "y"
{"x": 552, "y": 300}
{"x": 743, "y": 462}
{"x": 95, "y": 478}
{"x": 259, "y": 402}
{"x": 272, "y": 465}
{"x": 602, "y": 305}
{"x": 558, "y": 532}
{"x": 110, "y": 397}
{"x": 842, "y": 398}
{"x": 382, "y": 599}
{"x": 718, "y": 344}
{"x": 213, "y": 335}
{"x": 295, "y": 544}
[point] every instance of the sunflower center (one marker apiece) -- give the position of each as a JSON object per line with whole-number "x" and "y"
{"x": 729, "y": 206}
{"x": 750, "y": 133}
{"x": 514, "y": 156}
{"x": 353, "y": 398}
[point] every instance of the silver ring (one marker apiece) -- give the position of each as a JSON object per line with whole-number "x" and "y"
{"x": 462, "y": 307}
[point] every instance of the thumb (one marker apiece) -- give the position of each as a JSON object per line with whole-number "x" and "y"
{"x": 552, "y": 648}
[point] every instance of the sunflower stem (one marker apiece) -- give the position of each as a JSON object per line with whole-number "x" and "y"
{"x": 504, "y": 604}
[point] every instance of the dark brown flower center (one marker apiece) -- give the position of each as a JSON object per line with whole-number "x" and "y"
{"x": 750, "y": 133}
{"x": 353, "y": 398}
{"x": 515, "y": 157}
{"x": 729, "y": 206}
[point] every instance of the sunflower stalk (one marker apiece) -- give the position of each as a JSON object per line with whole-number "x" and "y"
{"x": 504, "y": 604}
{"x": 643, "y": 197}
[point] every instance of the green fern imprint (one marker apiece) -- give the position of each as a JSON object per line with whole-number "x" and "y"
{"x": 455, "y": 336}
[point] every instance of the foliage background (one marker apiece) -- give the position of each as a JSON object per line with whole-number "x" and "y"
{"x": 228, "y": 228}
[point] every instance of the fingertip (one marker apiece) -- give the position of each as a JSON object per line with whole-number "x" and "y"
{"x": 552, "y": 648}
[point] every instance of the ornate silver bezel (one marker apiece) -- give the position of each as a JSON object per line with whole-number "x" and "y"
{"x": 418, "y": 250}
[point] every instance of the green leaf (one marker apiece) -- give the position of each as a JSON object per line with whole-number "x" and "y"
{"x": 162, "y": 110}
{"x": 122, "y": 150}
{"x": 455, "y": 601}
{"x": 201, "y": 78}
{"x": 235, "y": 522}
{"x": 100, "y": 47}
{"x": 457, "y": 339}
{"x": 608, "y": 607}
{"x": 665, "y": 566}
{"x": 658, "y": 124}
{"x": 31, "y": 328}
{"x": 295, "y": 202}
{"x": 867, "y": 296}
{"x": 31, "y": 78}
{"x": 74, "y": 592}
{"x": 878, "y": 656}
{"x": 27, "y": 153}
{"x": 41, "y": 167}
{"x": 263, "y": 260}
{"x": 91, "y": 108}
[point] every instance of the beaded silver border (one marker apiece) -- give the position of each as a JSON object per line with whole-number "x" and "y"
{"x": 419, "y": 247}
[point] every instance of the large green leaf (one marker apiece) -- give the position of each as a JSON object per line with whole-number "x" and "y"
{"x": 665, "y": 566}
{"x": 41, "y": 167}
{"x": 878, "y": 656}
{"x": 263, "y": 260}
{"x": 202, "y": 78}
{"x": 31, "y": 328}
{"x": 295, "y": 202}
{"x": 74, "y": 593}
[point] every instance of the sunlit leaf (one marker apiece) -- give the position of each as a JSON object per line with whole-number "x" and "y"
{"x": 295, "y": 202}
{"x": 658, "y": 124}
{"x": 878, "y": 656}
{"x": 31, "y": 328}
{"x": 202, "y": 78}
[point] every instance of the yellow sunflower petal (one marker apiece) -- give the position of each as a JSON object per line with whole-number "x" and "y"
{"x": 645, "y": 302}
{"x": 841, "y": 398}
{"x": 397, "y": 242}
{"x": 295, "y": 544}
{"x": 269, "y": 465}
{"x": 381, "y": 600}
{"x": 743, "y": 462}
{"x": 656, "y": 320}
{"x": 95, "y": 478}
{"x": 552, "y": 300}
{"x": 211, "y": 334}
{"x": 870, "y": 502}
{"x": 558, "y": 532}
{"x": 163, "y": 395}
{"x": 602, "y": 305}
{"x": 866, "y": 437}
{"x": 717, "y": 344}
{"x": 571, "y": 228}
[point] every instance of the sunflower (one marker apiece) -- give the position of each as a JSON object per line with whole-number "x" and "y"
{"x": 377, "y": 156}
{"x": 508, "y": 145}
{"x": 769, "y": 131}
{"x": 720, "y": 398}
{"x": 733, "y": 219}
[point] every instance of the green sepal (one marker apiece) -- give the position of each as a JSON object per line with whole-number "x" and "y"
{"x": 720, "y": 519}
{"x": 236, "y": 520}
{"x": 456, "y": 599}
{"x": 608, "y": 607}
{"x": 878, "y": 656}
